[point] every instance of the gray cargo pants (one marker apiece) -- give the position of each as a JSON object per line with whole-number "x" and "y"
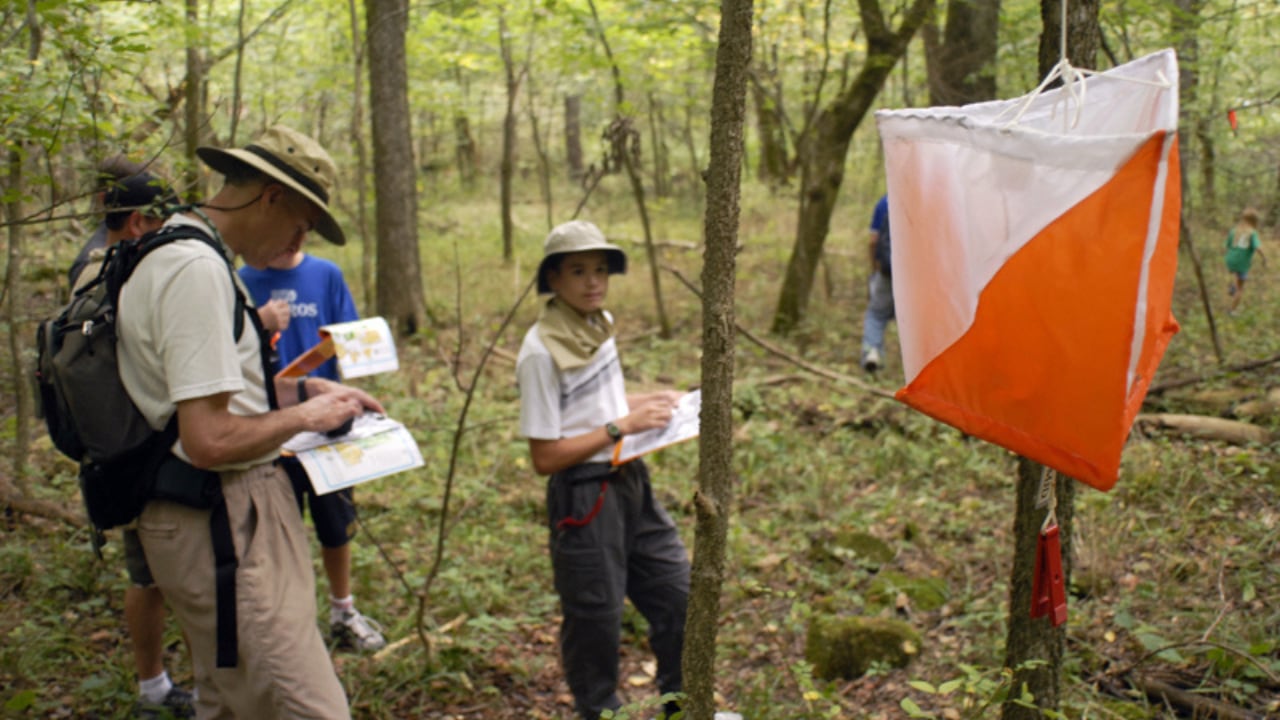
{"x": 611, "y": 540}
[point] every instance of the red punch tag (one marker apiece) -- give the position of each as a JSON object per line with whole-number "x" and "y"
{"x": 1048, "y": 594}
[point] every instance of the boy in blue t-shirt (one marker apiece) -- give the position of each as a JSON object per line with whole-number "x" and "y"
{"x": 316, "y": 294}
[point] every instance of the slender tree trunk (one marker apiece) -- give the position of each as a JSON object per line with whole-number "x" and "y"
{"x": 507, "y": 166}
{"x": 714, "y": 498}
{"x": 657, "y": 140}
{"x": 466, "y": 149}
{"x": 625, "y": 141}
{"x": 544, "y": 162}
{"x": 1036, "y": 639}
{"x": 194, "y": 108}
{"x": 399, "y": 283}
{"x": 15, "y": 309}
{"x": 822, "y": 154}
{"x": 1185, "y": 21}
{"x": 573, "y": 136}
{"x": 773, "y": 165}
{"x": 235, "y": 80}
{"x": 368, "y": 258}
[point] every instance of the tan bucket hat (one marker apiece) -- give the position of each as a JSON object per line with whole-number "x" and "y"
{"x": 296, "y": 161}
{"x": 578, "y": 236}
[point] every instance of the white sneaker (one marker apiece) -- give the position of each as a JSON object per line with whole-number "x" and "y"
{"x": 354, "y": 631}
{"x": 871, "y": 360}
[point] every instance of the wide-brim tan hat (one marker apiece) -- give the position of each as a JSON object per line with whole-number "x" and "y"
{"x": 578, "y": 236}
{"x": 296, "y": 161}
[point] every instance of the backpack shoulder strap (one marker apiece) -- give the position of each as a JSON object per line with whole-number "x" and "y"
{"x": 157, "y": 239}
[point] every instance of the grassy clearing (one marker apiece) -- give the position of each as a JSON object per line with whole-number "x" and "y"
{"x": 1176, "y": 569}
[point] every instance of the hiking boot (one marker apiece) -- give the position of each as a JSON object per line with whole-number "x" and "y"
{"x": 176, "y": 704}
{"x": 354, "y": 631}
{"x": 871, "y": 360}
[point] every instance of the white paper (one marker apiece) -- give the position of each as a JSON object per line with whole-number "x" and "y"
{"x": 376, "y": 446}
{"x": 364, "y": 347}
{"x": 683, "y": 426}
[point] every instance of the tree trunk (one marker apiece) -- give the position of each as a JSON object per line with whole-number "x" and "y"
{"x": 507, "y": 166}
{"x": 236, "y": 94}
{"x": 657, "y": 141}
{"x": 624, "y": 141}
{"x": 962, "y": 67}
{"x": 1185, "y": 21}
{"x": 773, "y": 141}
{"x": 544, "y": 162}
{"x": 1030, "y": 638}
{"x": 194, "y": 108}
{"x": 714, "y": 498}
{"x": 368, "y": 258}
{"x": 399, "y": 283}
{"x": 466, "y": 149}
{"x": 822, "y": 156}
{"x": 15, "y": 309}
{"x": 573, "y": 136}
{"x": 1036, "y": 639}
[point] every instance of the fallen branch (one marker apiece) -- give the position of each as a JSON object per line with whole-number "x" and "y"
{"x": 1198, "y": 706}
{"x": 1158, "y": 388}
{"x": 1209, "y": 428}
{"x": 798, "y": 362}
{"x": 15, "y": 501}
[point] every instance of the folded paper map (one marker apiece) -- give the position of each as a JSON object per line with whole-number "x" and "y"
{"x": 363, "y": 347}
{"x": 683, "y": 426}
{"x": 375, "y": 447}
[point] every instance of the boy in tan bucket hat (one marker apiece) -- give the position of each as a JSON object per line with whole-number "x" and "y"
{"x": 180, "y": 355}
{"x": 610, "y": 537}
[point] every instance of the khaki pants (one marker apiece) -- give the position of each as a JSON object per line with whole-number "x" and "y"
{"x": 284, "y": 670}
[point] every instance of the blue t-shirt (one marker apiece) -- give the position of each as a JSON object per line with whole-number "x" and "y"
{"x": 317, "y": 295}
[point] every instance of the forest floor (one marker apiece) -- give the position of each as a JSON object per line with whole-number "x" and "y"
{"x": 1175, "y": 576}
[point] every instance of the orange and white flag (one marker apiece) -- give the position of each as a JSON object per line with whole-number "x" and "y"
{"x": 1034, "y": 251}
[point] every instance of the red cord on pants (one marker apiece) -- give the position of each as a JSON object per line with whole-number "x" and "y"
{"x": 585, "y": 520}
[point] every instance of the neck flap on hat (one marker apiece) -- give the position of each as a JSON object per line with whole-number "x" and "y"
{"x": 571, "y": 337}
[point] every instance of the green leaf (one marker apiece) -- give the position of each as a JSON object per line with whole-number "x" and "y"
{"x": 21, "y": 701}
{"x": 913, "y": 710}
{"x": 923, "y": 686}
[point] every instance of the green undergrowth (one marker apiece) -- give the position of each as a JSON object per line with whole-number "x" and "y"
{"x": 1175, "y": 569}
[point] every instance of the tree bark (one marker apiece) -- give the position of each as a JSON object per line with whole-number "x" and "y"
{"x": 1031, "y": 639}
{"x": 822, "y": 155}
{"x": 399, "y": 283}
{"x": 962, "y": 66}
{"x": 507, "y": 167}
{"x": 573, "y": 136}
{"x": 714, "y": 498}
{"x": 624, "y": 141}
{"x": 773, "y": 165}
{"x": 465, "y": 149}
{"x": 15, "y": 309}
{"x": 193, "y": 110}
{"x": 368, "y": 258}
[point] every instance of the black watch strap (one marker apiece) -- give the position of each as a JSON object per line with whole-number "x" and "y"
{"x": 302, "y": 390}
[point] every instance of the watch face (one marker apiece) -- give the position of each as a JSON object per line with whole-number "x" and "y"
{"x": 613, "y": 431}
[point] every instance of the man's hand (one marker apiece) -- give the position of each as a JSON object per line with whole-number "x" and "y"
{"x": 648, "y": 411}
{"x": 275, "y": 315}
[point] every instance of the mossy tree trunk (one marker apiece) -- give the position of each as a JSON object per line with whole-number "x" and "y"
{"x": 714, "y": 500}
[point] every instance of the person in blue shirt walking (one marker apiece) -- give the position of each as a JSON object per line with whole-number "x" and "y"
{"x": 880, "y": 308}
{"x": 316, "y": 294}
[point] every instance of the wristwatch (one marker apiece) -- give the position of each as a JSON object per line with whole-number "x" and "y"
{"x": 614, "y": 433}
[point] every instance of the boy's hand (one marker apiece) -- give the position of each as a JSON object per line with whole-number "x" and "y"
{"x": 275, "y": 315}
{"x": 650, "y": 411}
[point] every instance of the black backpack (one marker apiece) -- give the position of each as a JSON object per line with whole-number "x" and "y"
{"x": 90, "y": 416}
{"x": 884, "y": 255}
